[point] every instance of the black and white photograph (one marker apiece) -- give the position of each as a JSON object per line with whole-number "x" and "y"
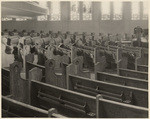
{"x": 74, "y": 59}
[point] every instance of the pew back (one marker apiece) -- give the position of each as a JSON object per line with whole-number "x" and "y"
{"x": 133, "y": 73}
{"x": 127, "y": 81}
{"x": 120, "y": 93}
{"x": 15, "y": 108}
{"x": 68, "y": 103}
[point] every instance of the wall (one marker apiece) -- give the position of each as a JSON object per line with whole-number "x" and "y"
{"x": 126, "y": 25}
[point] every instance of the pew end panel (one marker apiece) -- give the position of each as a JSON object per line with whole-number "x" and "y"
{"x": 76, "y": 68}
{"x": 19, "y": 86}
{"x": 73, "y": 53}
{"x": 30, "y": 65}
{"x": 5, "y": 81}
{"x": 52, "y": 77}
{"x": 101, "y": 65}
{"x": 29, "y": 58}
{"x": 121, "y": 59}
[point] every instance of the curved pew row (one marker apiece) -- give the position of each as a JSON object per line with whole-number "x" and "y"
{"x": 122, "y": 80}
{"x": 5, "y": 81}
{"x": 120, "y": 93}
{"x": 75, "y": 68}
{"x": 81, "y": 102}
{"x": 68, "y": 103}
{"x": 126, "y": 90}
{"x": 46, "y": 96}
{"x": 13, "y": 108}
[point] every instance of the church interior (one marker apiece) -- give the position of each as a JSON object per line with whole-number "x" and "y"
{"x": 74, "y": 59}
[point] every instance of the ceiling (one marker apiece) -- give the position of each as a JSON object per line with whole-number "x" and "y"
{"x": 21, "y": 9}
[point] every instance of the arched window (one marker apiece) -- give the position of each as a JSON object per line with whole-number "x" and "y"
{"x": 87, "y": 10}
{"x": 117, "y": 13}
{"x": 105, "y": 10}
{"x": 55, "y": 11}
{"x": 74, "y": 14}
{"x": 145, "y": 10}
{"x": 135, "y": 10}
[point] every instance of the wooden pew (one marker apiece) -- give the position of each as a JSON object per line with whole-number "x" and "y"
{"x": 24, "y": 92}
{"x": 54, "y": 78}
{"x": 5, "y": 81}
{"x": 29, "y": 65}
{"x": 13, "y": 108}
{"x": 133, "y": 73}
{"x": 143, "y": 68}
{"x": 112, "y": 109}
{"x": 122, "y": 61}
{"x": 120, "y": 93}
{"x": 59, "y": 59}
{"x": 141, "y": 63}
{"x": 73, "y": 104}
{"x": 143, "y": 59}
{"x": 20, "y": 89}
{"x": 74, "y": 51}
{"x": 99, "y": 50}
{"x": 123, "y": 71}
{"x": 98, "y": 60}
{"x": 122, "y": 80}
{"x": 136, "y": 50}
{"x": 49, "y": 73}
{"x": 67, "y": 103}
{"x": 18, "y": 86}
{"x": 76, "y": 68}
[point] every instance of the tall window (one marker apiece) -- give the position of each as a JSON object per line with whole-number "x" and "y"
{"x": 87, "y": 10}
{"x": 117, "y": 15}
{"x": 135, "y": 11}
{"x": 42, "y": 18}
{"x": 55, "y": 10}
{"x": 145, "y": 10}
{"x": 74, "y": 10}
{"x": 105, "y": 10}
{"x": 44, "y": 5}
